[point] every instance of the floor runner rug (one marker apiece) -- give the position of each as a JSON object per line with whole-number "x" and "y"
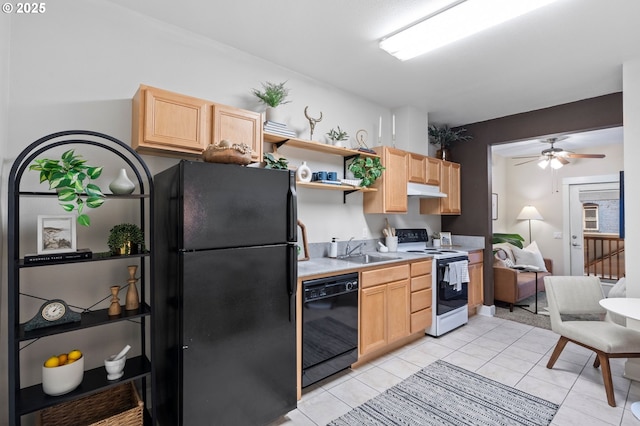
{"x": 445, "y": 394}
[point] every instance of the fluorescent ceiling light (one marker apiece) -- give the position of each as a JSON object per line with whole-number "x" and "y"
{"x": 457, "y": 22}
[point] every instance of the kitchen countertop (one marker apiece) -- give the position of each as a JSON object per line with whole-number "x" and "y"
{"x": 328, "y": 266}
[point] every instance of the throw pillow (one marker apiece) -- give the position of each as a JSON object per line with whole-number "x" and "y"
{"x": 509, "y": 263}
{"x": 526, "y": 257}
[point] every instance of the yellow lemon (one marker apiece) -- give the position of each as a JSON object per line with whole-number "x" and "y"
{"x": 70, "y": 361}
{"x": 62, "y": 358}
{"x": 74, "y": 354}
{"x": 52, "y": 362}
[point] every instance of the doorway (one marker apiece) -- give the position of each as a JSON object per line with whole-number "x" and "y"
{"x": 592, "y": 245}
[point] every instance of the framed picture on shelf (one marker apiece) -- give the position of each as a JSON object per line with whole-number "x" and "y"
{"x": 56, "y": 234}
{"x": 445, "y": 238}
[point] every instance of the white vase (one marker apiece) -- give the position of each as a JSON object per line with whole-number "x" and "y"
{"x": 272, "y": 114}
{"x": 121, "y": 185}
{"x": 304, "y": 173}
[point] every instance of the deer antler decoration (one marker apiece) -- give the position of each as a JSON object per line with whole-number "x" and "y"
{"x": 312, "y": 121}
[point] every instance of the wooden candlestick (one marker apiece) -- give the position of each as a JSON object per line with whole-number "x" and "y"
{"x": 115, "y": 309}
{"x": 132, "y": 299}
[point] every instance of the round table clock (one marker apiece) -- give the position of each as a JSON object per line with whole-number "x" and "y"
{"x": 52, "y": 312}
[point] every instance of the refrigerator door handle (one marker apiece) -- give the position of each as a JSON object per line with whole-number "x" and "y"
{"x": 292, "y": 279}
{"x": 292, "y": 209}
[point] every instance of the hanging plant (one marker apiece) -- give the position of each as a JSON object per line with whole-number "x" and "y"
{"x": 369, "y": 169}
{"x": 67, "y": 176}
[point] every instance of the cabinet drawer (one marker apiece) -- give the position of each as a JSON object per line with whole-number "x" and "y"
{"x": 421, "y": 268}
{"x": 420, "y": 283}
{"x": 420, "y": 320}
{"x": 420, "y": 300}
{"x": 475, "y": 256}
{"x": 384, "y": 275}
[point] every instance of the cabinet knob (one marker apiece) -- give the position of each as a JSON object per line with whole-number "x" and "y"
{"x": 185, "y": 346}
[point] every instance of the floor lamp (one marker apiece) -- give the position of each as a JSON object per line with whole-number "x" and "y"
{"x": 529, "y": 213}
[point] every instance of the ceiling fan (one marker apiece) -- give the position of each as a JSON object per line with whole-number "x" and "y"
{"x": 555, "y": 157}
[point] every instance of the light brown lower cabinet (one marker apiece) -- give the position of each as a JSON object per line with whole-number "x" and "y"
{"x": 421, "y": 295}
{"x": 476, "y": 281}
{"x": 384, "y": 307}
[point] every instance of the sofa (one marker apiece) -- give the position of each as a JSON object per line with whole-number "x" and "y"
{"x": 511, "y": 285}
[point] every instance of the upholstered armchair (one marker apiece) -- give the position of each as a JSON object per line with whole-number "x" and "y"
{"x": 579, "y": 296}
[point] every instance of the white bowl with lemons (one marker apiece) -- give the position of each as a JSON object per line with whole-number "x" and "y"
{"x": 64, "y": 375}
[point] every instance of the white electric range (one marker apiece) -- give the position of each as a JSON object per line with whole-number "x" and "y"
{"x": 449, "y": 300}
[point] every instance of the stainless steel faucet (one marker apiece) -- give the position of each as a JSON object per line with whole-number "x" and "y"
{"x": 348, "y": 251}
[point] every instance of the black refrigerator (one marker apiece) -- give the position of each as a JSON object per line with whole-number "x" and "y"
{"x": 223, "y": 337}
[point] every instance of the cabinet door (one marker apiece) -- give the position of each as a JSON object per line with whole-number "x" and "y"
{"x": 391, "y": 194}
{"x": 395, "y": 183}
{"x": 398, "y": 310}
{"x": 476, "y": 287}
{"x": 417, "y": 168}
{"x": 432, "y": 171}
{"x": 373, "y": 308}
{"x": 454, "y": 189}
{"x": 238, "y": 126}
{"x": 450, "y": 185}
{"x": 169, "y": 122}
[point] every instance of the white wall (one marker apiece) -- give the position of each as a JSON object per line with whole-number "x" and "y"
{"x": 528, "y": 184}
{"x": 499, "y": 187}
{"x": 78, "y": 66}
{"x": 631, "y": 100}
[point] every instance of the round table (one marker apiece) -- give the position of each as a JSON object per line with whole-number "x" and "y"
{"x": 627, "y": 307}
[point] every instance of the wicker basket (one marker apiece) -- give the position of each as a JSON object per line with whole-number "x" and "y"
{"x": 118, "y": 406}
{"x": 214, "y": 154}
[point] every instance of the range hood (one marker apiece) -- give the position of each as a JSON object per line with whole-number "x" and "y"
{"x": 424, "y": 191}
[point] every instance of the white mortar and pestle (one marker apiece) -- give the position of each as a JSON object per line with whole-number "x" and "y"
{"x": 115, "y": 364}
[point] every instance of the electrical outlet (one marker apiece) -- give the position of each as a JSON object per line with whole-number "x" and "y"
{"x": 365, "y": 232}
{"x": 557, "y": 235}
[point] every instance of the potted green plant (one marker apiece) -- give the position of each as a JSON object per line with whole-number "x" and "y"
{"x": 337, "y": 136}
{"x": 126, "y": 238}
{"x": 443, "y": 137}
{"x": 272, "y": 95}
{"x": 435, "y": 239}
{"x": 368, "y": 169}
{"x": 67, "y": 176}
{"x": 280, "y": 163}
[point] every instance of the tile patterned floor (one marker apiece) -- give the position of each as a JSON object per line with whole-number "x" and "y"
{"x": 509, "y": 352}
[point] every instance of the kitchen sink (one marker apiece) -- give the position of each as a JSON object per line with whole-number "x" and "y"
{"x": 367, "y": 258}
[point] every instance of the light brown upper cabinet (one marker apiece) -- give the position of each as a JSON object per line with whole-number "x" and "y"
{"x": 417, "y": 168}
{"x": 450, "y": 185}
{"x": 238, "y": 126}
{"x": 433, "y": 171}
{"x": 423, "y": 169}
{"x": 175, "y": 125}
{"x": 391, "y": 196}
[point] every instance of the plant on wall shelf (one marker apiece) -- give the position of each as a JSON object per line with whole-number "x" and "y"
{"x": 280, "y": 163}
{"x": 337, "y": 135}
{"x": 272, "y": 94}
{"x": 366, "y": 168}
{"x": 67, "y": 176}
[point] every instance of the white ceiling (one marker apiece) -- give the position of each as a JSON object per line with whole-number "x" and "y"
{"x": 563, "y": 52}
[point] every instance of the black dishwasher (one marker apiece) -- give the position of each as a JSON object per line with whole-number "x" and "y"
{"x": 330, "y": 326}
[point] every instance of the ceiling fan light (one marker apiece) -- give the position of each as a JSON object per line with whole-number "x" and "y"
{"x": 543, "y": 163}
{"x": 555, "y": 164}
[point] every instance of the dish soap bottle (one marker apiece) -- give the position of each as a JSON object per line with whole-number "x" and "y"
{"x": 333, "y": 248}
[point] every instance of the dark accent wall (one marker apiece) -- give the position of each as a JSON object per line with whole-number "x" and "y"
{"x": 475, "y": 159}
